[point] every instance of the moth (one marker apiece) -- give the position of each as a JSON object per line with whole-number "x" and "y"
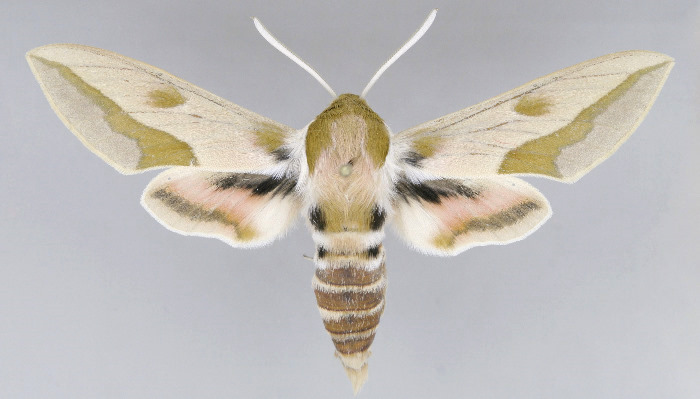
{"x": 446, "y": 185}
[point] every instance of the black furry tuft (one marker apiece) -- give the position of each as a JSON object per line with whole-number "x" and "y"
{"x": 317, "y": 219}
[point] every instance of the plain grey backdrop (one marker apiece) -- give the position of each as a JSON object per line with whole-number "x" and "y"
{"x": 97, "y": 300}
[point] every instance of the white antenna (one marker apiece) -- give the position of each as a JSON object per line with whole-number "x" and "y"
{"x": 416, "y": 36}
{"x": 284, "y": 50}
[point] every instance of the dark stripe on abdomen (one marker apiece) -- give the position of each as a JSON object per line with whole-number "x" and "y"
{"x": 350, "y": 296}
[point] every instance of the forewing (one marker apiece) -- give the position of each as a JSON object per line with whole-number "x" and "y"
{"x": 559, "y": 126}
{"x": 137, "y": 117}
{"x": 242, "y": 209}
{"x": 448, "y": 216}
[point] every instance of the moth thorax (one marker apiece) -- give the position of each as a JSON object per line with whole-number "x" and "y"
{"x": 348, "y": 132}
{"x": 346, "y": 147}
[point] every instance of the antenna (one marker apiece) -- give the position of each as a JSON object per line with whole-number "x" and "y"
{"x": 416, "y": 36}
{"x": 284, "y": 50}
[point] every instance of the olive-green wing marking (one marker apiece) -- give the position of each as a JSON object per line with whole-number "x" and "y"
{"x": 559, "y": 126}
{"x": 137, "y": 117}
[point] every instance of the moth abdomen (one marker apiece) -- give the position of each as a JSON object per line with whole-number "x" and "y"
{"x": 350, "y": 286}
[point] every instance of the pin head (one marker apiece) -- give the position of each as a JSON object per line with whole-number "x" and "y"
{"x": 345, "y": 170}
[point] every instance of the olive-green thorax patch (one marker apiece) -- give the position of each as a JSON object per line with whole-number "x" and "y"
{"x": 166, "y": 98}
{"x": 532, "y": 105}
{"x": 319, "y": 135}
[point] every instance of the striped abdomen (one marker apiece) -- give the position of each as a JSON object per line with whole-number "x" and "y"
{"x": 349, "y": 287}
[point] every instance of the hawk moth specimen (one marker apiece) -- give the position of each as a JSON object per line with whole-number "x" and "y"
{"x": 446, "y": 185}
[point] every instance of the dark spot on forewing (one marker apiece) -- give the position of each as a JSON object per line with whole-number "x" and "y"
{"x": 281, "y": 154}
{"x": 413, "y": 158}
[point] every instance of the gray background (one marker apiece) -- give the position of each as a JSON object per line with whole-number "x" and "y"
{"x": 99, "y": 301}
